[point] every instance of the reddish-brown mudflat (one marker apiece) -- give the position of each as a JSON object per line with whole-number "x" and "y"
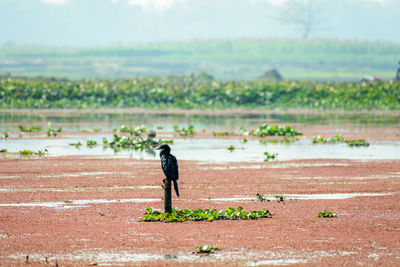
{"x": 86, "y": 210}
{"x": 82, "y": 211}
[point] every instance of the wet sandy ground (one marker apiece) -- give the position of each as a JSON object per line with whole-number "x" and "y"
{"x": 81, "y": 210}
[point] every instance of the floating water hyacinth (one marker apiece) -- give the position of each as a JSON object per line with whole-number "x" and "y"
{"x": 271, "y": 130}
{"x": 188, "y": 92}
{"x": 203, "y": 215}
{"x": 340, "y": 139}
{"x": 183, "y": 131}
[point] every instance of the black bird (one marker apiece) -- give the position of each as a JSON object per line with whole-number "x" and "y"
{"x": 169, "y": 165}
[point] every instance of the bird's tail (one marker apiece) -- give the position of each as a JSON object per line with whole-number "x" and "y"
{"x": 176, "y": 187}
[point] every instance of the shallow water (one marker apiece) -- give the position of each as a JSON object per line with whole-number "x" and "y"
{"x": 212, "y": 150}
{"x": 90, "y": 119}
{"x": 208, "y": 150}
{"x": 79, "y": 203}
{"x": 303, "y": 196}
{"x": 244, "y": 257}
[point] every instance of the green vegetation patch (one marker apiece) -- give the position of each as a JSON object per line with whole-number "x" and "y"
{"x": 189, "y": 131}
{"x": 271, "y": 130}
{"x": 326, "y": 214}
{"x": 340, "y": 139}
{"x": 357, "y": 142}
{"x": 261, "y": 198}
{"x": 197, "y": 91}
{"x": 135, "y": 140}
{"x": 223, "y": 133}
{"x": 285, "y": 140}
{"x": 206, "y": 249}
{"x": 53, "y": 131}
{"x": 26, "y": 152}
{"x": 77, "y": 144}
{"x": 30, "y": 128}
{"x": 137, "y": 131}
{"x": 280, "y": 199}
{"x": 336, "y": 139}
{"x": 231, "y": 148}
{"x": 270, "y": 156}
{"x": 203, "y": 215}
{"x": 91, "y": 143}
{"x": 40, "y": 152}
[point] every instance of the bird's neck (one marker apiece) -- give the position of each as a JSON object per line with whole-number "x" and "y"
{"x": 164, "y": 153}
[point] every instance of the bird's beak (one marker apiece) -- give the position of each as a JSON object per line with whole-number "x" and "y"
{"x": 158, "y": 148}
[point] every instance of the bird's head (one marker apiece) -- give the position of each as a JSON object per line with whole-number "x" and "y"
{"x": 164, "y": 148}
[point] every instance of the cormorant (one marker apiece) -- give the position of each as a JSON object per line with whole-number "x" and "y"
{"x": 169, "y": 165}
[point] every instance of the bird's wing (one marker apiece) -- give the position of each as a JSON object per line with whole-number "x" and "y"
{"x": 173, "y": 167}
{"x": 164, "y": 165}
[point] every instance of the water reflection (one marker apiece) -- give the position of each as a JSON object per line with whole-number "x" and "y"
{"x": 78, "y": 121}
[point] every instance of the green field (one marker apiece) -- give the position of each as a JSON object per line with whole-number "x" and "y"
{"x": 245, "y": 59}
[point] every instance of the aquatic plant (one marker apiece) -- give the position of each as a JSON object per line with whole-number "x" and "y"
{"x": 3, "y": 150}
{"x": 53, "y": 131}
{"x": 358, "y": 142}
{"x": 223, "y": 133}
{"x": 231, "y": 148}
{"x": 95, "y": 130}
{"x": 261, "y": 198}
{"x": 285, "y": 140}
{"x": 135, "y": 140}
{"x": 5, "y": 135}
{"x": 27, "y": 152}
{"x": 183, "y": 131}
{"x": 280, "y": 199}
{"x": 326, "y": 214}
{"x": 77, "y": 145}
{"x": 132, "y": 131}
{"x": 270, "y": 156}
{"x": 203, "y": 215}
{"x": 30, "y": 128}
{"x": 41, "y": 152}
{"x": 91, "y": 143}
{"x": 207, "y": 249}
{"x": 188, "y": 92}
{"x": 271, "y": 130}
{"x": 336, "y": 139}
{"x": 340, "y": 139}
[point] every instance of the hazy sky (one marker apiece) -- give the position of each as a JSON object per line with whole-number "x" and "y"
{"x": 102, "y": 22}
